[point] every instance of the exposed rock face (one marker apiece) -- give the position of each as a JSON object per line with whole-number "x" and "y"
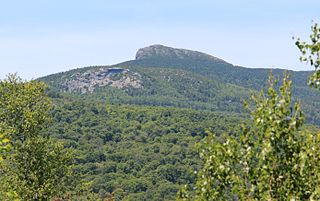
{"x": 168, "y": 52}
{"x": 90, "y": 80}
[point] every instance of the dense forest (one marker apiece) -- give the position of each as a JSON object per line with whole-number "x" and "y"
{"x": 136, "y": 152}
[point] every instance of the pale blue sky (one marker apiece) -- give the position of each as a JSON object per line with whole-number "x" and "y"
{"x": 40, "y": 37}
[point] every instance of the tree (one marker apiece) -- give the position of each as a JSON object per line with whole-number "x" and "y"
{"x": 311, "y": 54}
{"x": 36, "y": 167}
{"x": 273, "y": 159}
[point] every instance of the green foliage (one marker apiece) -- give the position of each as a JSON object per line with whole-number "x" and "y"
{"x": 38, "y": 169}
{"x": 35, "y": 168}
{"x": 273, "y": 160}
{"x": 4, "y": 141}
{"x": 23, "y": 107}
{"x": 134, "y": 152}
{"x": 311, "y": 54}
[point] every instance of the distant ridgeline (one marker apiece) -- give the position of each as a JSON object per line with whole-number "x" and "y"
{"x": 164, "y": 76}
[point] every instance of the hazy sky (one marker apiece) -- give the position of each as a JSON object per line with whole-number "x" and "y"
{"x": 40, "y": 37}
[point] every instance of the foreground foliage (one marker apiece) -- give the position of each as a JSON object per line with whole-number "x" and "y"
{"x": 274, "y": 160}
{"x": 35, "y": 168}
{"x": 311, "y": 54}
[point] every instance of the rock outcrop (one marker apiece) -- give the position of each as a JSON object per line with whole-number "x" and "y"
{"x": 91, "y": 79}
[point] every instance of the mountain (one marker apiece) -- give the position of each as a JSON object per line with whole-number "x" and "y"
{"x": 133, "y": 125}
{"x": 158, "y": 56}
{"x": 165, "y": 76}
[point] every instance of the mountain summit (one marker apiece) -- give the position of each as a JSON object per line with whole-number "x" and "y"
{"x": 161, "y": 51}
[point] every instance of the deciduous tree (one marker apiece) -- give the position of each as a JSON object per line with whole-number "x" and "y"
{"x": 36, "y": 168}
{"x": 311, "y": 54}
{"x": 274, "y": 159}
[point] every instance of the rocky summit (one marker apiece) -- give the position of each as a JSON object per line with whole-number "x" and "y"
{"x": 169, "y": 52}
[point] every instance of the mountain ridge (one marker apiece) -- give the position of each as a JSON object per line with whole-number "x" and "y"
{"x": 166, "y": 76}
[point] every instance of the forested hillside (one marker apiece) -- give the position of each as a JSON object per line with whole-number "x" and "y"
{"x": 136, "y": 152}
{"x": 164, "y": 76}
